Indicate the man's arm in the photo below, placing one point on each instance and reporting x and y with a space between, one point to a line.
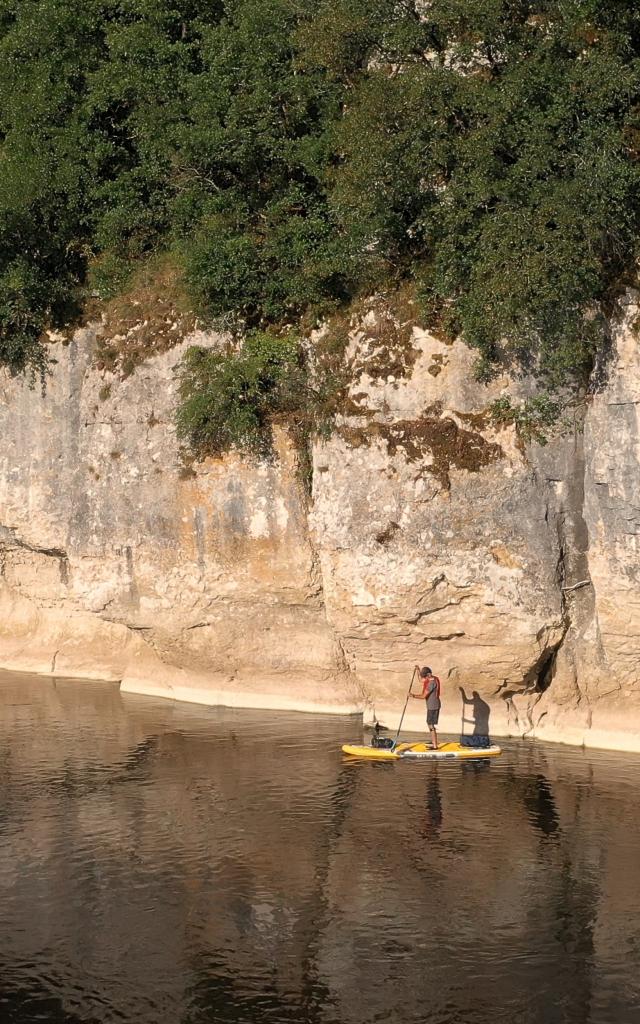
422 694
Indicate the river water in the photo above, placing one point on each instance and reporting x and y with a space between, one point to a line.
172 864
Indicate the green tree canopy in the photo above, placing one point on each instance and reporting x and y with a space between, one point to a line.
293 154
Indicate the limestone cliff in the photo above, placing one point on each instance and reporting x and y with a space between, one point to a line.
430 536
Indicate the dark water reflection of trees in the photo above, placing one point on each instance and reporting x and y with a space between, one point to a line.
183 865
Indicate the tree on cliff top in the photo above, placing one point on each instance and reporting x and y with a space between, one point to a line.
293 154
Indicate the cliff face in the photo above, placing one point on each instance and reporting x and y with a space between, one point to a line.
431 536
120 562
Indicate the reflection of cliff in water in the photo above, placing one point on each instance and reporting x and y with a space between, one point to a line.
170 864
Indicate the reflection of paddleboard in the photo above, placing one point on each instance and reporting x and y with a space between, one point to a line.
420 752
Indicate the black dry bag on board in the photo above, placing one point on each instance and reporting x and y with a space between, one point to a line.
478 742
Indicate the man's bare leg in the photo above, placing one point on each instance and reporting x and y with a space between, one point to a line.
434 738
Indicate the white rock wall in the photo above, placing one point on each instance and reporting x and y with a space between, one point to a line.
118 562
432 537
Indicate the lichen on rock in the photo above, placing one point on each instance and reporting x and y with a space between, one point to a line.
436 443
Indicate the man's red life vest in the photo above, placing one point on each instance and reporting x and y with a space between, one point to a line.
429 678
425 686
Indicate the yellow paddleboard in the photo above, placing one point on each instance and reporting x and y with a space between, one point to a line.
420 752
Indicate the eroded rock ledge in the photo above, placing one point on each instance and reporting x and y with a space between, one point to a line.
430 536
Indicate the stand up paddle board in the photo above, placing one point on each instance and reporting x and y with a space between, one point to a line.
420 752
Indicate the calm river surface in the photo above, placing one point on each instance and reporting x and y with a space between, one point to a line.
170 864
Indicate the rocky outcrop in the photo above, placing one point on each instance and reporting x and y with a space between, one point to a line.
593 694
435 542
431 536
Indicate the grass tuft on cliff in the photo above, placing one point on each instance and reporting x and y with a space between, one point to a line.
291 157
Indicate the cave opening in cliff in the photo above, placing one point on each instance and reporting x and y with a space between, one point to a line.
545 670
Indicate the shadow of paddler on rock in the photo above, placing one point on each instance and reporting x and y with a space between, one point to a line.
480 714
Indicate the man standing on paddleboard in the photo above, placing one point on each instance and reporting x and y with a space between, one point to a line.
430 693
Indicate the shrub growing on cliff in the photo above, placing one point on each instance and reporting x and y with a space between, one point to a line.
229 400
535 419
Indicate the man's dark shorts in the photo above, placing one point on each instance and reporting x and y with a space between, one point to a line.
433 716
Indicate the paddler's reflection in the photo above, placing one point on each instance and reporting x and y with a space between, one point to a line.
433 816
475 765
541 806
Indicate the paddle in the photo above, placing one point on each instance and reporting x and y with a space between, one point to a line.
404 709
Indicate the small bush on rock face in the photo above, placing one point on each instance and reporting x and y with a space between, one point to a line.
535 419
229 399
232 399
